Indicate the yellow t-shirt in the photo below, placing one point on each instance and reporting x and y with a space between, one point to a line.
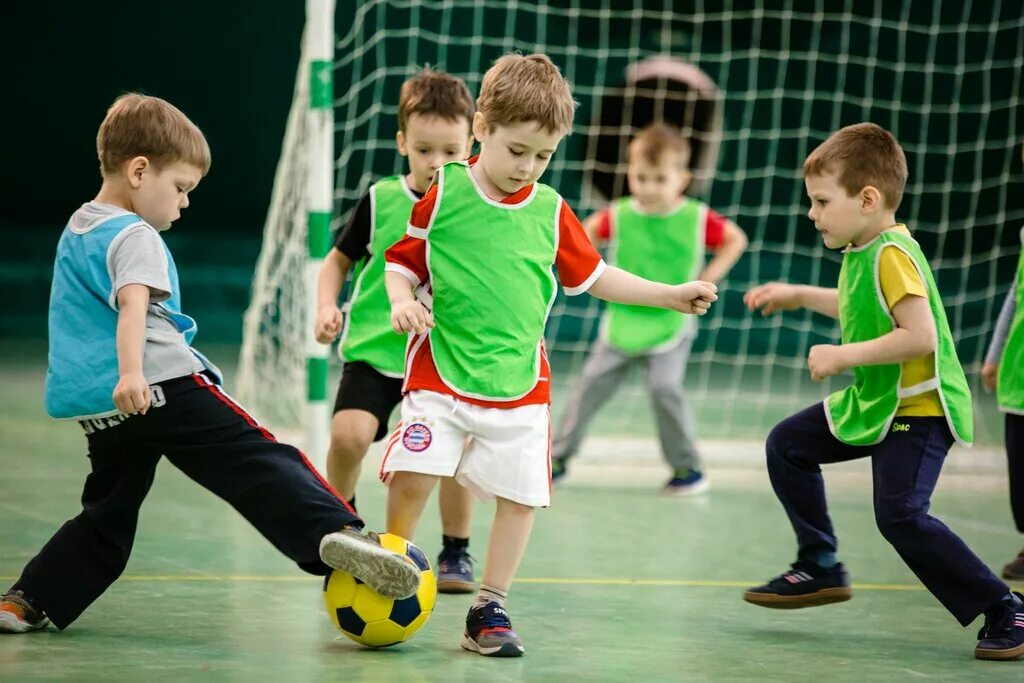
899 278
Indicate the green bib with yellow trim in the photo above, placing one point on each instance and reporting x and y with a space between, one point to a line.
862 413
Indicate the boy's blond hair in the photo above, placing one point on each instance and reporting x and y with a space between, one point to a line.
860 155
138 125
521 88
658 139
435 93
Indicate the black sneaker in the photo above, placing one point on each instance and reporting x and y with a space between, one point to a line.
489 632
455 571
804 585
1002 636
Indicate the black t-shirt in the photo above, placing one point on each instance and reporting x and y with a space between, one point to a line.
354 238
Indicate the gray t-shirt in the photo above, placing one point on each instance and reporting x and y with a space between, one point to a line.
137 256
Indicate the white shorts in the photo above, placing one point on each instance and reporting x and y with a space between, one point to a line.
509 455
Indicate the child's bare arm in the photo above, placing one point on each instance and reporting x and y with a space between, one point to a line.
131 395
617 285
328 288
913 337
727 253
780 296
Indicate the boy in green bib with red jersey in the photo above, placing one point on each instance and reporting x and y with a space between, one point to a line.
435 112
660 234
909 401
1004 371
473 282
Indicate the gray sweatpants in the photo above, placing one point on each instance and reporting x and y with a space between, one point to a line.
603 372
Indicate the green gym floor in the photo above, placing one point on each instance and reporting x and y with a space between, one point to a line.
618 584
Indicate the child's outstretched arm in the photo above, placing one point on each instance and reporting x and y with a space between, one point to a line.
617 285
407 314
913 337
328 288
131 395
780 296
727 253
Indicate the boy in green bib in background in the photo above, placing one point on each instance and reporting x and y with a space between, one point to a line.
473 280
1003 371
660 234
435 112
909 401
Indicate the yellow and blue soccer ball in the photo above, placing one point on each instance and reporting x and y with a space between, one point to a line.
369 618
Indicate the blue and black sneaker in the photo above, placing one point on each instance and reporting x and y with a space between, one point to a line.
489 632
686 483
558 469
804 585
455 571
1002 636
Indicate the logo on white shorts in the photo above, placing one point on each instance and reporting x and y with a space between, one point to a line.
416 437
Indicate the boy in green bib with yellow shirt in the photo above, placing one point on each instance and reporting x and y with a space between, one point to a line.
435 112
909 401
473 280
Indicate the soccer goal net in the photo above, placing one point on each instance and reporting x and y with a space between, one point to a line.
756 89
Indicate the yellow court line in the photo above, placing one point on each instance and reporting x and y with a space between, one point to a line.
671 583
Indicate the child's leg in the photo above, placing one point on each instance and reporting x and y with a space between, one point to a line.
602 373
1015 459
456 502
362 407
428 445
210 438
407 495
89 552
352 432
795 449
905 469
665 373
510 533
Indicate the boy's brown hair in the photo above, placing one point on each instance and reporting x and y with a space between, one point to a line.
860 155
522 88
435 93
658 139
138 125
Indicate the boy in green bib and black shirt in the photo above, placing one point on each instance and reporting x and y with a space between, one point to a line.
909 401
435 111
660 234
473 280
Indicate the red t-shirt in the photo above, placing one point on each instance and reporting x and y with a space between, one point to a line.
578 263
714 227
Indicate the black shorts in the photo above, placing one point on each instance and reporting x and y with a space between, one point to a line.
363 387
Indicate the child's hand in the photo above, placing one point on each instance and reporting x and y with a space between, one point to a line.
410 316
772 297
989 373
693 297
826 360
328 324
131 395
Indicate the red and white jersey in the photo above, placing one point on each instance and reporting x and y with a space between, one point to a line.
578 266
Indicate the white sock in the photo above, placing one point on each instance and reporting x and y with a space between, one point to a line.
490 594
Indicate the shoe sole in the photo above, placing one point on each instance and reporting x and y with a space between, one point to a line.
390 574
9 623
999 655
825 596
684 491
503 650
455 586
1012 576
